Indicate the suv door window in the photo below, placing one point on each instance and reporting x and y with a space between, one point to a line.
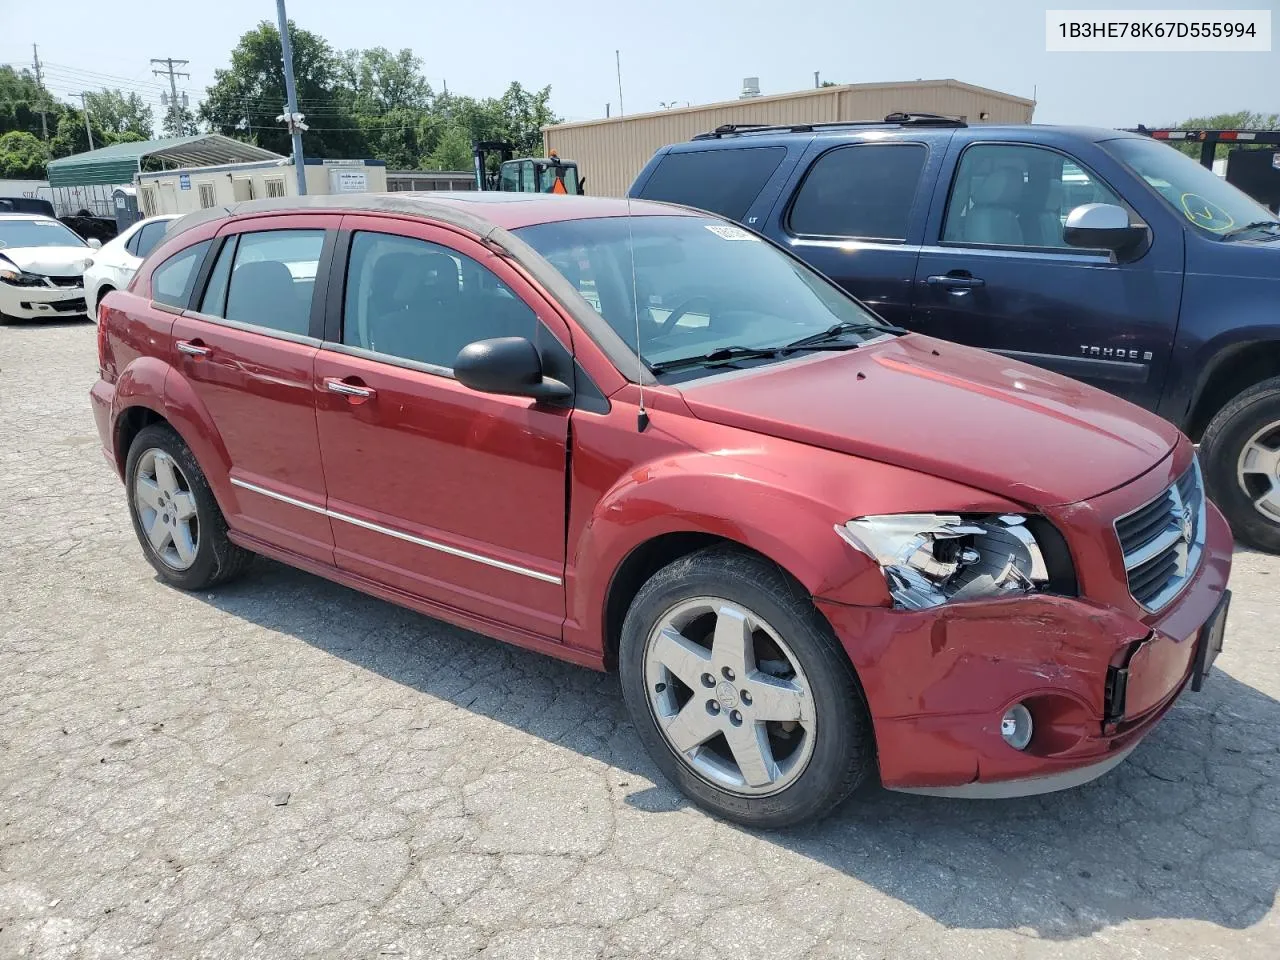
864 191
423 302
724 181
172 281
1012 195
266 279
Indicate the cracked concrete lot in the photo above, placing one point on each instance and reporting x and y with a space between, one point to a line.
287 768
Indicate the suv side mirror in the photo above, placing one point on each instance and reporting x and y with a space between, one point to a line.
510 366
1103 226
95 243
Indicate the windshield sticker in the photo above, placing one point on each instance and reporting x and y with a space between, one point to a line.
726 232
1205 214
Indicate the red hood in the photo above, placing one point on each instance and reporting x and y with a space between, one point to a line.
963 414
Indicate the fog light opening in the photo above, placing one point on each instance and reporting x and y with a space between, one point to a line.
1016 727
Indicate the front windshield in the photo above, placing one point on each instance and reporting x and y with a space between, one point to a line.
36 233
700 283
1205 199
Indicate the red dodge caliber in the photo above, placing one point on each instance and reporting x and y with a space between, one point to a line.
816 548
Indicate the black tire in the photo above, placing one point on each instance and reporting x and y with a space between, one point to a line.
843 751
217 558
93 309
1223 442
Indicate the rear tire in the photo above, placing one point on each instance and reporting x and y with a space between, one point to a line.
178 522
1240 456
811 764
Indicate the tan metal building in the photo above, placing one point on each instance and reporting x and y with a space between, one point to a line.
611 152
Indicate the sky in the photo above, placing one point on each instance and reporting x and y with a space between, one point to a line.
694 51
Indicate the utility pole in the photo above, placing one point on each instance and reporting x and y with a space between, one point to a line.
44 123
174 105
84 102
291 116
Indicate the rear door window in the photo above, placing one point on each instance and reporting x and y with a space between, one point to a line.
724 181
149 237
266 279
864 191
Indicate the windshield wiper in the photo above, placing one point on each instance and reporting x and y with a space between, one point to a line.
833 334
1256 225
718 355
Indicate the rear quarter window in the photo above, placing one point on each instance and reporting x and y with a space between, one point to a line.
724 181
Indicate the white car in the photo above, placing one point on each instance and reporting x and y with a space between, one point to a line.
41 266
114 265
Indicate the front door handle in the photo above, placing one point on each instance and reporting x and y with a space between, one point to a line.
357 390
193 348
957 282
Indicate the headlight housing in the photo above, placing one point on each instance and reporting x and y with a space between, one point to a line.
930 559
19 278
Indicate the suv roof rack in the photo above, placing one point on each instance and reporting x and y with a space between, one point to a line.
898 119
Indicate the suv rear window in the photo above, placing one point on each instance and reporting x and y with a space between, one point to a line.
723 181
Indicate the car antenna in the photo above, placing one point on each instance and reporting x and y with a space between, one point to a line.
642 417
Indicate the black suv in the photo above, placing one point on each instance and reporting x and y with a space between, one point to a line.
1100 254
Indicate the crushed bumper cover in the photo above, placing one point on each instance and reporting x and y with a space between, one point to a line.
938 681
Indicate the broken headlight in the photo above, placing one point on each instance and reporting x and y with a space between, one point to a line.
931 558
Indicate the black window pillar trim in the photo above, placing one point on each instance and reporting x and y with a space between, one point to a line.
335 292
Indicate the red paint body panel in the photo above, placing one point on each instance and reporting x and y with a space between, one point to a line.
947 410
513 518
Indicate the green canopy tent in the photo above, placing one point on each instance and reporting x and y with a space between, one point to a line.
85 180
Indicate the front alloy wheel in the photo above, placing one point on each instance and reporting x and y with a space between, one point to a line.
741 692
729 696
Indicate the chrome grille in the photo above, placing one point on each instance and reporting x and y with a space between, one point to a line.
1162 541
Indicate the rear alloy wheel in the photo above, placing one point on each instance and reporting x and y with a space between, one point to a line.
741 692
177 520
1240 452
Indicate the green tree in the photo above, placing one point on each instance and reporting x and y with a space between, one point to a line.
71 136
246 98
22 156
20 101
379 81
452 150
116 113
180 122
1241 120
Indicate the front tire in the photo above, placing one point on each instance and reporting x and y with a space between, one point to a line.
178 522
1240 453
740 691
97 302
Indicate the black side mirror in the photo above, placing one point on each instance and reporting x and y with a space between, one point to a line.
509 366
1103 226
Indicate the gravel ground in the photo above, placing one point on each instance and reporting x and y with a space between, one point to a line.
287 768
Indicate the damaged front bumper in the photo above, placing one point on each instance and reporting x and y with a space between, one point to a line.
1095 678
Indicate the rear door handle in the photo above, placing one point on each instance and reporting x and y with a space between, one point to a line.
957 283
193 348
334 385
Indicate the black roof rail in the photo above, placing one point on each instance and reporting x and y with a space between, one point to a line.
899 119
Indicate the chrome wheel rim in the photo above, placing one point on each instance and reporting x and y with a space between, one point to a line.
729 696
166 509
1258 471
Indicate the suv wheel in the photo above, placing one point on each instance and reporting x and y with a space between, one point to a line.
174 513
1241 456
740 691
